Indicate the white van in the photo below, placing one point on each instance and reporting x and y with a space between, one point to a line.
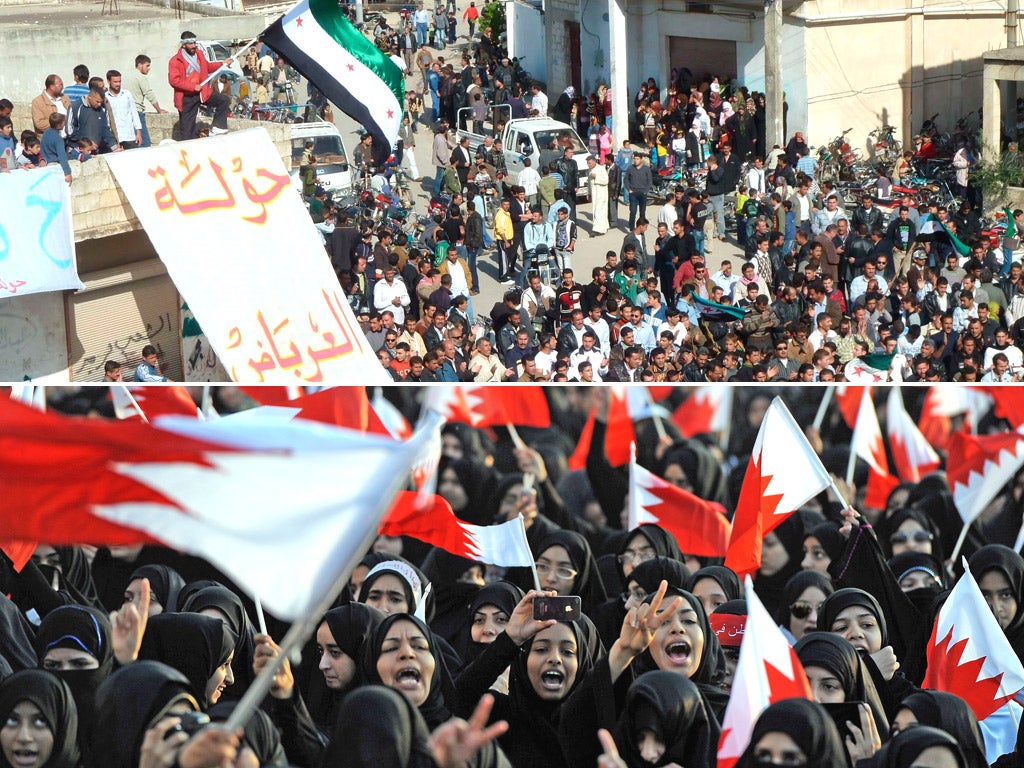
332 168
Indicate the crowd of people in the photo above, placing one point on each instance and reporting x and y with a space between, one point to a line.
121 656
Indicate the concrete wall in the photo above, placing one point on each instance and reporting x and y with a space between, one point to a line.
526 39
559 62
30 54
750 58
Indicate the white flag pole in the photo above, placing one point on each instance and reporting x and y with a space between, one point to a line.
134 402
960 541
819 417
533 566
234 57
514 434
659 427
259 614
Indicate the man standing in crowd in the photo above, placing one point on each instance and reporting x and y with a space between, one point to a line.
186 72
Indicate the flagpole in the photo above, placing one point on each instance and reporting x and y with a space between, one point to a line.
235 57
1020 540
259 614
963 537
533 566
514 434
819 417
134 402
835 490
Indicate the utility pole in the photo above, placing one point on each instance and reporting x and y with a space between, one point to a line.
773 86
359 12
1009 87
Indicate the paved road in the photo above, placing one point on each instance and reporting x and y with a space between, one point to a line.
590 250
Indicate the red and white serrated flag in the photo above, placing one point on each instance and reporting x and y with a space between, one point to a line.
978 466
867 444
503 545
768 671
426 463
911 453
133 401
784 473
706 411
619 432
482 406
700 527
272 395
281 507
1008 403
941 404
848 397
968 654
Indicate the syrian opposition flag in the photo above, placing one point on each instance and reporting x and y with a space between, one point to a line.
504 545
930 225
784 473
149 402
318 40
481 406
282 507
978 466
968 654
869 369
700 527
706 411
913 456
867 444
768 671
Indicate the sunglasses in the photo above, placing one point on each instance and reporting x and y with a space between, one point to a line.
801 609
918 537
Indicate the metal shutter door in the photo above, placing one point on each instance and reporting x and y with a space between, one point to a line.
120 311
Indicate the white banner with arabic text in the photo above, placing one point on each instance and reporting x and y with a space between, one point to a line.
242 251
37 237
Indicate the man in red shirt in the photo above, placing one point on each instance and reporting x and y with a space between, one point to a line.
470 15
185 71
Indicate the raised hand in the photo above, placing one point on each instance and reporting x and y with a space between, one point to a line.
128 625
638 628
455 742
521 624
266 651
609 752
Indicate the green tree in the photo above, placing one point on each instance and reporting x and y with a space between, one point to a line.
493 16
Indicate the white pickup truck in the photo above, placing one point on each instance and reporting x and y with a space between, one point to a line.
532 137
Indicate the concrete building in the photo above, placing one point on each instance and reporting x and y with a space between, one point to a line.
846 63
128 301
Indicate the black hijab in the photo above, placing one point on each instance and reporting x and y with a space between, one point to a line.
83 629
951 714
810 727
842 599
712 660
662 542
76 576
477 481
701 467
922 597
434 709
53 698
905 747
769 588
836 655
889 526
378 727
996 557
350 625
165 584
649 575
588 584
726 578
444 571
192 644
131 701
504 596
261 734
671 706
535 722
827 534
795 587
214 595
17 636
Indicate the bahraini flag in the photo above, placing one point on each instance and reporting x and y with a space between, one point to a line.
281 507
318 40
867 444
783 474
911 453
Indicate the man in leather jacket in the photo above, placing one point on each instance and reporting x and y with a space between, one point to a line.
571 175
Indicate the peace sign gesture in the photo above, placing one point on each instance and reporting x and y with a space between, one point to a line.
638 629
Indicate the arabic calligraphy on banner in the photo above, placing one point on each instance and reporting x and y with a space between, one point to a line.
37 242
240 247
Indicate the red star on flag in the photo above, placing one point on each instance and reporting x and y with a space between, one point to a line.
351 68
391 113
298 22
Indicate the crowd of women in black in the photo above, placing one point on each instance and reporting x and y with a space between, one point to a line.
420 636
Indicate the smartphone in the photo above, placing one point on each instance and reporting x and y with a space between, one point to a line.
568 608
848 711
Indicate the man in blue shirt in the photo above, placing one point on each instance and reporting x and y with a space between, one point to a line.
149 369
